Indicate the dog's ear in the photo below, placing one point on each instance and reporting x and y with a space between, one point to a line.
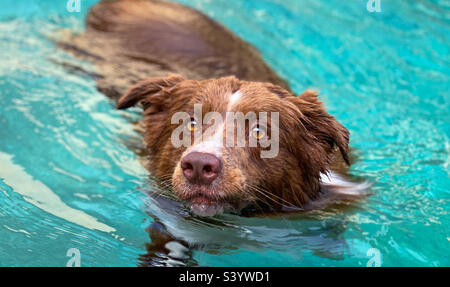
149 92
324 127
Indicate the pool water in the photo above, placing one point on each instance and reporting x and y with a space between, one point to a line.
70 176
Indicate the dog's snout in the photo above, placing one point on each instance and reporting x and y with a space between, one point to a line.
201 168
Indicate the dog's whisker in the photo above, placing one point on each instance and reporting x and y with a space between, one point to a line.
262 199
269 194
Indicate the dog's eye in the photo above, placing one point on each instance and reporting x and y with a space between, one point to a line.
192 125
258 133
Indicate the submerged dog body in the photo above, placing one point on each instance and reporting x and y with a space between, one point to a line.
130 40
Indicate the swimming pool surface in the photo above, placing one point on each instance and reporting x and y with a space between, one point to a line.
69 177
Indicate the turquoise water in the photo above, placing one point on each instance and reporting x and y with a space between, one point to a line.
69 176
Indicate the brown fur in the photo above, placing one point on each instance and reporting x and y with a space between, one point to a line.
131 40
309 139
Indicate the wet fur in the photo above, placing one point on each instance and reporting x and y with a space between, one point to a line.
135 44
311 141
132 40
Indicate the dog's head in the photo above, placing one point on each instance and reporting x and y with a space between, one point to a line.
225 143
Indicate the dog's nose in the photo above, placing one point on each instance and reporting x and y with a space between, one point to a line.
201 168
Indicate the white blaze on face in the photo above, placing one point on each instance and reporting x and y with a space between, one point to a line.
233 99
213 142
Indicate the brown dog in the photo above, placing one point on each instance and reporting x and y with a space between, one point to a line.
129 40
132 40
212 177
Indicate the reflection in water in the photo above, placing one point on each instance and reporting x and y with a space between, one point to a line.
176 235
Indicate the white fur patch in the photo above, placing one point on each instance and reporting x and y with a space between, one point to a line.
345 186
236 96
233 99
211 145
214 144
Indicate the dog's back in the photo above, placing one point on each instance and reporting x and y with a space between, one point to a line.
131 40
